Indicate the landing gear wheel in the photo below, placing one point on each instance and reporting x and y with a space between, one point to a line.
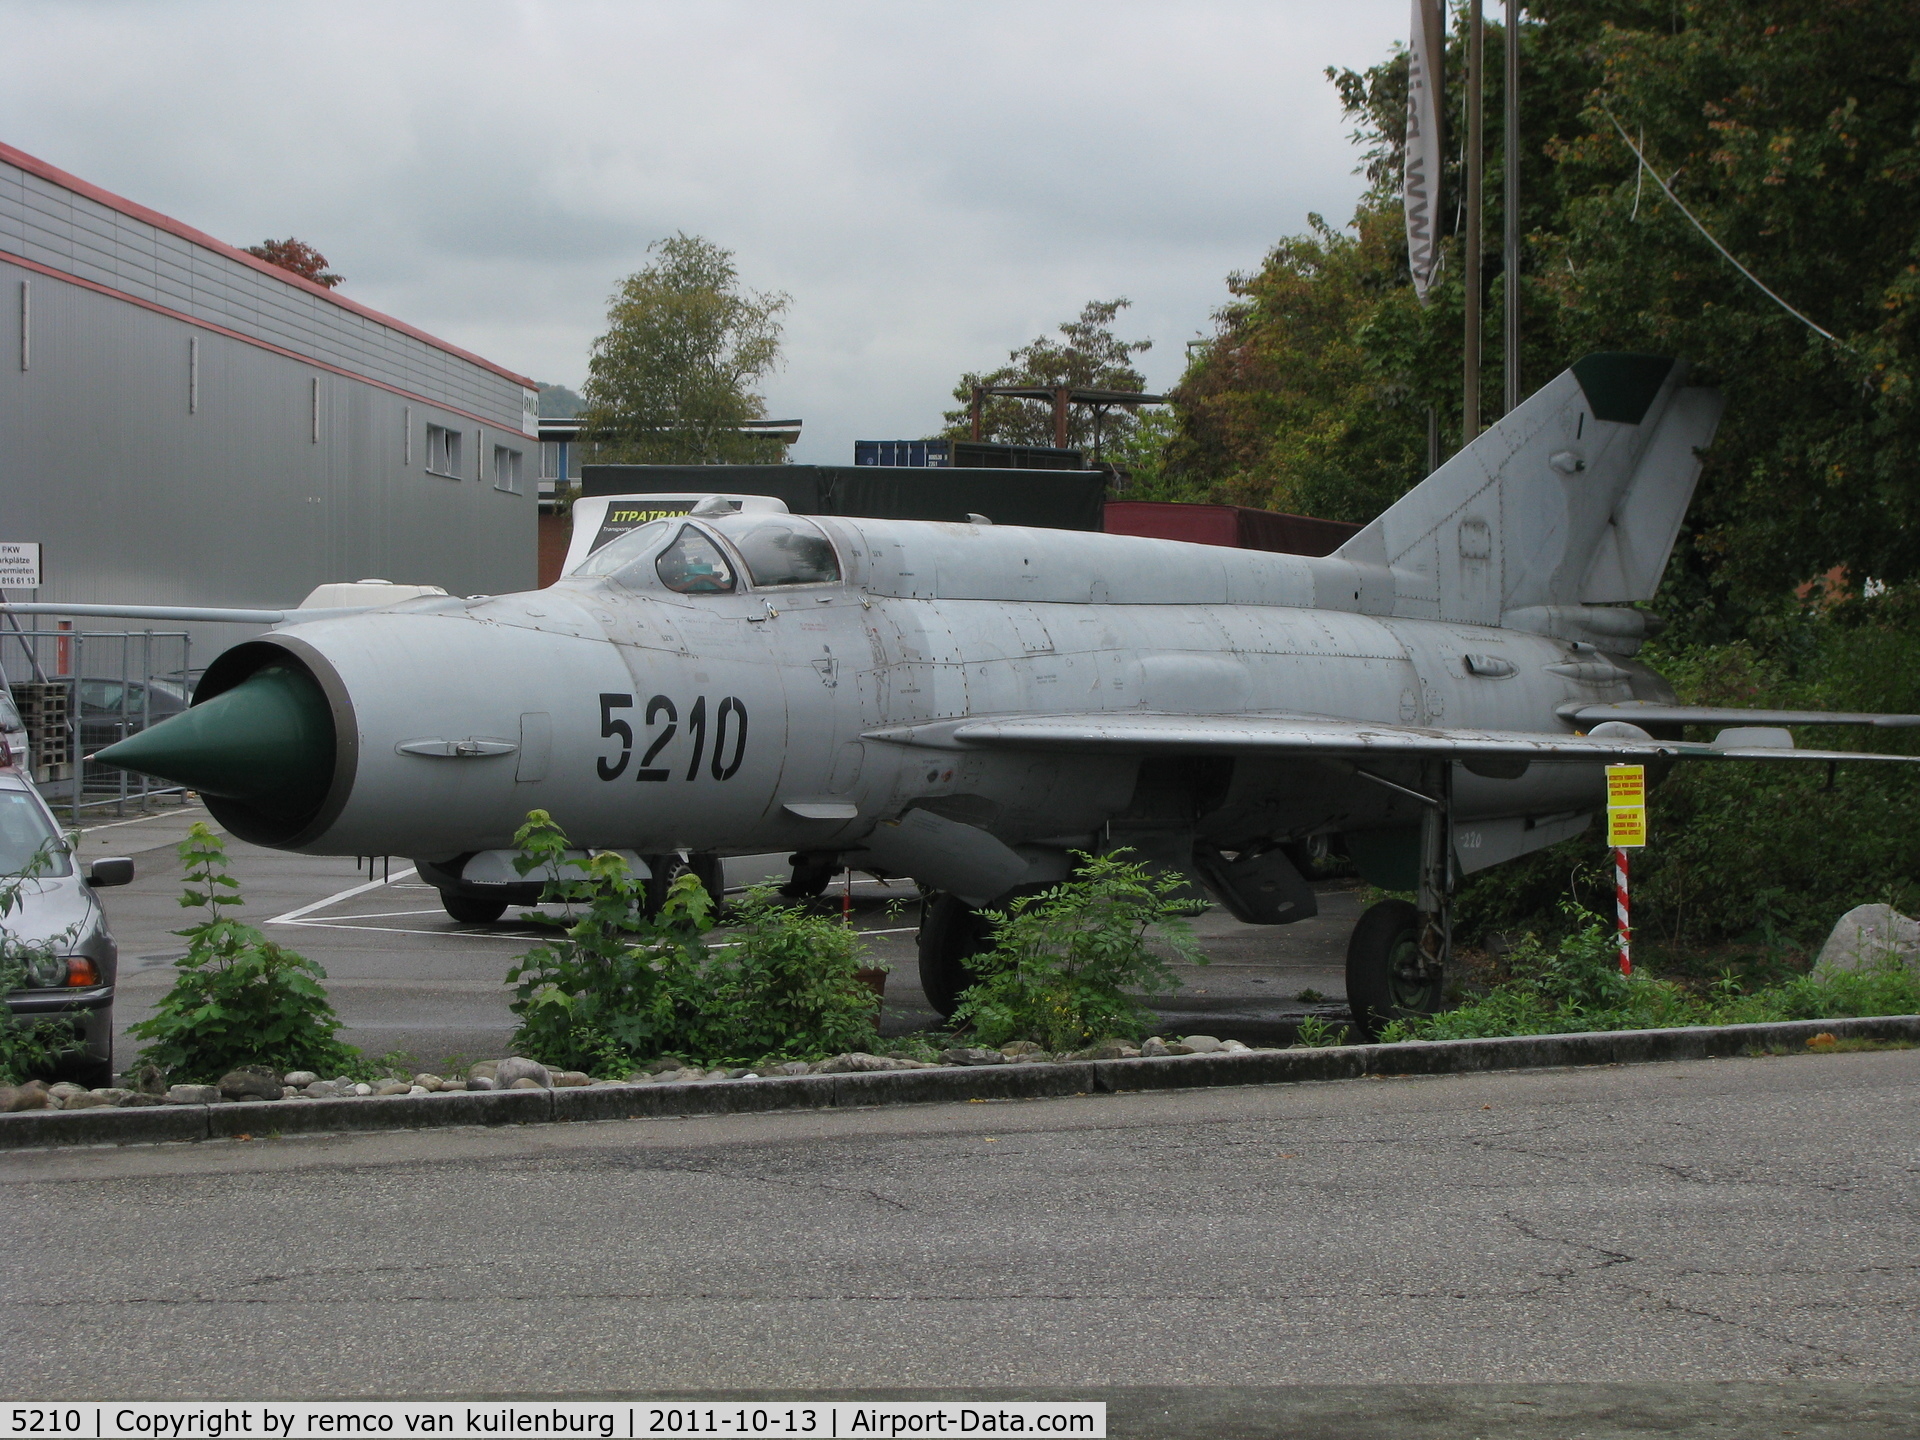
951 933
1387 976
811 876
472 909
703 865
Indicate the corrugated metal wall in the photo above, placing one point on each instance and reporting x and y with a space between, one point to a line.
261 476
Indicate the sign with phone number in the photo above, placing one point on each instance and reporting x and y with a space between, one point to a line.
492 1420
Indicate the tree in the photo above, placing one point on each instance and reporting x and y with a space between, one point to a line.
1091 358
1786 127
670 382
299 257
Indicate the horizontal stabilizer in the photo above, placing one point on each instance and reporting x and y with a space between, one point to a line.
1652 712
1319 736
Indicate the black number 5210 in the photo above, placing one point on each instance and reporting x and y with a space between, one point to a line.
661 719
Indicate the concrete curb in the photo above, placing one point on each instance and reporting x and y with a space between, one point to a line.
145 1125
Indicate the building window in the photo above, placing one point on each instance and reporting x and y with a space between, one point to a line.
549 459
506 469
443 451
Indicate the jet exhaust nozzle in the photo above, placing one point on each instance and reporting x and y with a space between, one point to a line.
259 747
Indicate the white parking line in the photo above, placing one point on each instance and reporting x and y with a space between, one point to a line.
292 917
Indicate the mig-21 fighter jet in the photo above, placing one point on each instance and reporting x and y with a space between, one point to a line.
970 704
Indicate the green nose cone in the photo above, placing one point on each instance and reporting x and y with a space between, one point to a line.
267 743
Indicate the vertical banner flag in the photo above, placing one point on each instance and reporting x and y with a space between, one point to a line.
1426 57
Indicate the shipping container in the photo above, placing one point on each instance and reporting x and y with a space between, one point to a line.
965 455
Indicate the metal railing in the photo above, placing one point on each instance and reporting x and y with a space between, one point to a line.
115 684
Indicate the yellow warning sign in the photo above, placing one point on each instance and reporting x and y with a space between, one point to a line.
1626 826
1626 785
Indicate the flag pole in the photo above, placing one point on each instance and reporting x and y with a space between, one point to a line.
1510 207
1476 159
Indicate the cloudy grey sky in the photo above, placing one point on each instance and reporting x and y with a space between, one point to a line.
933 182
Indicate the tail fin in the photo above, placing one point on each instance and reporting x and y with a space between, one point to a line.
1575 498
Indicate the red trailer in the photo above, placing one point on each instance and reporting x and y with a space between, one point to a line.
1236 526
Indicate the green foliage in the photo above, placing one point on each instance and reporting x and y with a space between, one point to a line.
1092 358
32 1049
785 986
672 380
239 999
1763 855
1575 985
616 987
1067 964
1787 128
1315 1033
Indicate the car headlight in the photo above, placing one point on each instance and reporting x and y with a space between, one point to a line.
54 972
46 972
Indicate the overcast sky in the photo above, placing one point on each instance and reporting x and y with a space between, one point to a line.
934 184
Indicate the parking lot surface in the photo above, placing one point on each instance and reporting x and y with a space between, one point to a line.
404 977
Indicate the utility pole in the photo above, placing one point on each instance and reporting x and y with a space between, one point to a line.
1476 160
1510 205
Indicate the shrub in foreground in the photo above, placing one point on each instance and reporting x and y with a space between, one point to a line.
239 999
616 986
1575 985
1068 965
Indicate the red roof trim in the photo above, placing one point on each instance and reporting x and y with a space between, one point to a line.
34 265
57 176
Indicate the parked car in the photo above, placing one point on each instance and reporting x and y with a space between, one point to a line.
111 710
56 929
13 732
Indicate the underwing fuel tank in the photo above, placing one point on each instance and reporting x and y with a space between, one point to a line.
431 729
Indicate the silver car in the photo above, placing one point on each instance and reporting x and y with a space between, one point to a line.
56 928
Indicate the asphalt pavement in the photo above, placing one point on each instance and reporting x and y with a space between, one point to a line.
404 977
1721 1248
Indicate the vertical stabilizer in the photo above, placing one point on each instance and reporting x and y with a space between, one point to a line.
1575 498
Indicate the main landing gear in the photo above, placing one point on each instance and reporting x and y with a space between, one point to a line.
951 933
1397 955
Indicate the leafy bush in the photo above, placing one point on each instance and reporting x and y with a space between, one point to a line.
1064 961
239 998
1575 985
34 1048
617 987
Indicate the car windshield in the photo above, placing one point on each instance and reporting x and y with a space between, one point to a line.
623 550
786 551
25 833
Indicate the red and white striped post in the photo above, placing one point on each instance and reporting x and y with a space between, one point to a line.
1623 919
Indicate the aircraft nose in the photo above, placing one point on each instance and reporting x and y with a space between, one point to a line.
266 743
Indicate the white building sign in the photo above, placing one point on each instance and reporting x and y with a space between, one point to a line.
19 564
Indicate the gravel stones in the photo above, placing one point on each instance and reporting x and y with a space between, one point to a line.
1023 1050
858 1062
571 1079
193 1094
1202 1045
972 1055
299 1079
251 1082
395 1087
1154 1045
508 1073
31 1096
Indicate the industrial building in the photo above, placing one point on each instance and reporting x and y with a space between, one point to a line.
183 423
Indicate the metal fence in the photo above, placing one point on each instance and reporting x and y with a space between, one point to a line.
81 690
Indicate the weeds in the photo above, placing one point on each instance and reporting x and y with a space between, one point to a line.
1065 963
616 986
239 999
1575 985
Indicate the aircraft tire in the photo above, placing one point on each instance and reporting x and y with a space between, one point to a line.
703 865
472 909
950 934
1383 969
810 878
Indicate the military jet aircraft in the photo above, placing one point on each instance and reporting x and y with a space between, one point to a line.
969 704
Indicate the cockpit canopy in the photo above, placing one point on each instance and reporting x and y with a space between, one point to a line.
776 551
